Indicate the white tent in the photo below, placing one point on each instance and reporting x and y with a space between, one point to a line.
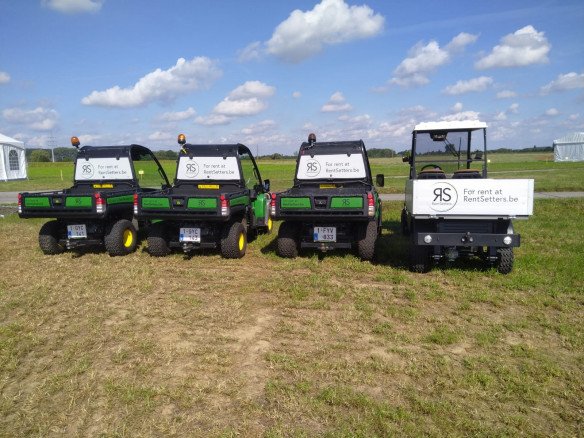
570 147
12 159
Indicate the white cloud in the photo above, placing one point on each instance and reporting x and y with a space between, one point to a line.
251 52
514 108
213 120
161 136
178 116
246 100
475 84
73 6
506 94
4 77
240 107
38 119
568 81
501 116
463 115
423 59
574 117
460 41
258 128
252 89
296 94
336 103
160 85
524 47
305 33
552 112
457 107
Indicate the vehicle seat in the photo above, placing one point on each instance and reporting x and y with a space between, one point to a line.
466 174
431 174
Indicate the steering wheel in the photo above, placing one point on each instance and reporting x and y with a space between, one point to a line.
433 166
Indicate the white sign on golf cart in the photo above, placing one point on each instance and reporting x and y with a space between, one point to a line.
103 168
470 197
339 166
203 168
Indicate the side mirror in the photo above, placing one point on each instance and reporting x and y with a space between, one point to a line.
406 159
266 185
478 155
380 179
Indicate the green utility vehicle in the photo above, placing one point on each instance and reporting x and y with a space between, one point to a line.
218 200
333 203
452 209
98 209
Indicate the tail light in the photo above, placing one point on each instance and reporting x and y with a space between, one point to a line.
370 204
99 203
19 203
135 203
273 205
224 205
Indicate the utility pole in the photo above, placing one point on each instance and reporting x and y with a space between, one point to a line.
51 144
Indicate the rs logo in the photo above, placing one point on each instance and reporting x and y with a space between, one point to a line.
345 202
312 168
86 168
191 167
442 194
443 197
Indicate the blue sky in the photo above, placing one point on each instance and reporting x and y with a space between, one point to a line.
266 73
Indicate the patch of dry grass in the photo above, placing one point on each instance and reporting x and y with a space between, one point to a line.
142 346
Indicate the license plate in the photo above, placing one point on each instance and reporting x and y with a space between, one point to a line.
76 231
325 234
190 235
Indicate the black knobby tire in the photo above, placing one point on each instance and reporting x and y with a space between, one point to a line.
420 258
158 240
120 238
366 246
404 223
505 260
49 238
233 240
287 242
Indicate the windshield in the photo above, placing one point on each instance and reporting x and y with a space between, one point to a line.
98 169
449 151
337 166
207 168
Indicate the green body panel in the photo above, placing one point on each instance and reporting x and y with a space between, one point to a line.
78 202
347 202
240 200
155 203
295 203
37 202
259 206
202 203
121 199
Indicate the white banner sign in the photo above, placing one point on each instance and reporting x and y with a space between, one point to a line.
340 166
470 197
103 169
203 168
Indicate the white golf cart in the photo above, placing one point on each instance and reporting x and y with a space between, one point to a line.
452 209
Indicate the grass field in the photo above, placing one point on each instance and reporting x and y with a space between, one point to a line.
548 175
92 345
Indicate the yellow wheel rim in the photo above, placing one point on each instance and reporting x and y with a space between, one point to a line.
270 224
128 238
241 241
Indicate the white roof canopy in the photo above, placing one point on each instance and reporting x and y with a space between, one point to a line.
7 140
450 126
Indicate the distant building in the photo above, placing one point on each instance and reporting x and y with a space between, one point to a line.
570 147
